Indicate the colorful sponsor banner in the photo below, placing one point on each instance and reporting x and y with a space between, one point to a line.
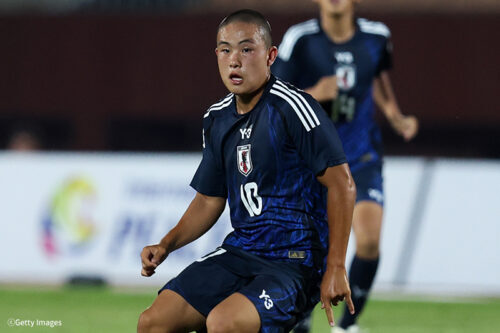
67 215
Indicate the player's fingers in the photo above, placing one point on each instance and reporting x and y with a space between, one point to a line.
329 313
145 253
157 257
145 258
147 272
409 134
148 267
147 264
350 304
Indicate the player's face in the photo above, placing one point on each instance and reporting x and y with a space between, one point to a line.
244 59
336 7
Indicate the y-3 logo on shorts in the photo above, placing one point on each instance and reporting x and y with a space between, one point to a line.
375 195
268 302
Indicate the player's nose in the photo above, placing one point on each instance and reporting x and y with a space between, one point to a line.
234 60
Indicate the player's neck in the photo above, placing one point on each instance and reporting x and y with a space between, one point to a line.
339 28
245 103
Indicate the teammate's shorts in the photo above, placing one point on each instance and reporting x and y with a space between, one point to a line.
369 183
282 292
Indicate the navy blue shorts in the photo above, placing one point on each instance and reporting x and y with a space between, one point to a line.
369 183
282 292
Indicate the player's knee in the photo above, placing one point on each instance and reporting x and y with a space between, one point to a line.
148 323
218 323
144 323
368 248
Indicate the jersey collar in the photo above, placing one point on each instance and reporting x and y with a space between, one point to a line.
353 38
267 88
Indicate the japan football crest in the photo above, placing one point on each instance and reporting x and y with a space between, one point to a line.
346 76
244 159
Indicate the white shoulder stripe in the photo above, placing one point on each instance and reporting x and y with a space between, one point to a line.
215 108
229 96
297 103
304 102
292 104
372 27
220 105
293 35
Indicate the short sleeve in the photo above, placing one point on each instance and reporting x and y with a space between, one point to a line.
286 67
311 130
386 57
209 178
288 63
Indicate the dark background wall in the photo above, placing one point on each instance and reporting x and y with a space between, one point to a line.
143 82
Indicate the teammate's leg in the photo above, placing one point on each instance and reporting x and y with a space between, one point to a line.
235 314
170 313
367 226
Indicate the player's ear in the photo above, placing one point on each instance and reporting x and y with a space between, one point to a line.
216 51
272 53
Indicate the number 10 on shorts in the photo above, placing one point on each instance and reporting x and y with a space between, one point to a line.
251 199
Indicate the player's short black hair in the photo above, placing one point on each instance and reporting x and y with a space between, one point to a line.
250 16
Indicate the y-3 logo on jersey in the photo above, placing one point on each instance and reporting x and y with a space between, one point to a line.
246 132
268 302
344 57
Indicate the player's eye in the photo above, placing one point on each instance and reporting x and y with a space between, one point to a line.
246 50
224 50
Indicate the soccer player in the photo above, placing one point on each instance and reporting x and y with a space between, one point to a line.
343 62
272 152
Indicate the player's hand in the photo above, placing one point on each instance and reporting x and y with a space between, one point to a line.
325 89
335 289
406 126
151 257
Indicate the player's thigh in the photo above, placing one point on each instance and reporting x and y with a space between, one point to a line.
234 314
367 227
170 313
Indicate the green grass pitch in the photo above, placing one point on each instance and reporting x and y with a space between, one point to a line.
104 310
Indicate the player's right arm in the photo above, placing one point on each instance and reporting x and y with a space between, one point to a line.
202 213
200 216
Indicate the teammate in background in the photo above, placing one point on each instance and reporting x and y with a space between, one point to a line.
343 62
271 151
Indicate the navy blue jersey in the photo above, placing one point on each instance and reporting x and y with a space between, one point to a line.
306 54
266 162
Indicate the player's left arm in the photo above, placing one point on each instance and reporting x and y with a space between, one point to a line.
340 203
318 143
383 94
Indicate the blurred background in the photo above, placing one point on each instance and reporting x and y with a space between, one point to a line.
130 75
108 96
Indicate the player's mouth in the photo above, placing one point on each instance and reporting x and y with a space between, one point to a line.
235 79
